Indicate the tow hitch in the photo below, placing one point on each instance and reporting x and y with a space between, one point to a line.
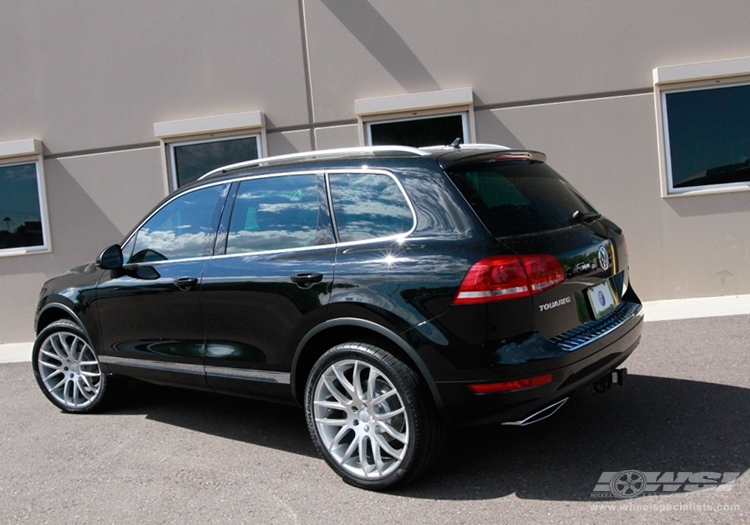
615 377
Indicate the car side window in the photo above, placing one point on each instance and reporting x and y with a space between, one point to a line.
184 228
277 213
368 206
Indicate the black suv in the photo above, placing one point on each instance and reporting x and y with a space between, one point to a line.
387 290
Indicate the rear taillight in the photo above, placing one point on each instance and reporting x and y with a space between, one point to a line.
509 277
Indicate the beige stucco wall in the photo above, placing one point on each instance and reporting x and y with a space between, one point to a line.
573 79
679 247
84 75
93 201
509 51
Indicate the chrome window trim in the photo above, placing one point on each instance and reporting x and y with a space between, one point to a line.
249 176
167 202
400 237
240 180
272 252
366 171
159 263
331 213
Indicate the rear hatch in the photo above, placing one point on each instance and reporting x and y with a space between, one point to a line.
533 211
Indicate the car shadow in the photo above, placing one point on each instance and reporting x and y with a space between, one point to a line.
262 423
653 424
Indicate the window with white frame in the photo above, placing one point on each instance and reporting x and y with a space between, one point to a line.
189 160
194 147
418 119
23 206
704 123
434 130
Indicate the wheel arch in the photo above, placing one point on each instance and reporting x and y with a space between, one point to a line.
52 312
56 311
336 331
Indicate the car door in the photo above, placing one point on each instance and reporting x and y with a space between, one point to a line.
377 265
149 311
271 284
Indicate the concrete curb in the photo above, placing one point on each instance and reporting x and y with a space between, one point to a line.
697 307
15 352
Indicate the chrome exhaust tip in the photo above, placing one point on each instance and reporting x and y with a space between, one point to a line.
538 416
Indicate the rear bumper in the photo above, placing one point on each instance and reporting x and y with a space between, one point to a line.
570 372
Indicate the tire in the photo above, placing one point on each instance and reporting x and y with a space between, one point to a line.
67 369
371 417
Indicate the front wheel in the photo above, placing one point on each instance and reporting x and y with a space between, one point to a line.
67 369
370 416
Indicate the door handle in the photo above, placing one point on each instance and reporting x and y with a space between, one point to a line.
305 280
185 283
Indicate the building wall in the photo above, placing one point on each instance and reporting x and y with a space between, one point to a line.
572 79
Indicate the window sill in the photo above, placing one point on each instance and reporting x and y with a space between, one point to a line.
32 250
708 191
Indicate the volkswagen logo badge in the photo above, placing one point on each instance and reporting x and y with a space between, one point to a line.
603 258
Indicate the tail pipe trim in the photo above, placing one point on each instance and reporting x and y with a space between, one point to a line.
538 416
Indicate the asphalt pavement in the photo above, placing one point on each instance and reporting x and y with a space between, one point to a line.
163 455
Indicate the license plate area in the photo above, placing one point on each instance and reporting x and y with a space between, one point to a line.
602 299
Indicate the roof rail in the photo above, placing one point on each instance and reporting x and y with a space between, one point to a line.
469 145
318 154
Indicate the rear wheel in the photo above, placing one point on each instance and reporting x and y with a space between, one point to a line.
67 369
370 417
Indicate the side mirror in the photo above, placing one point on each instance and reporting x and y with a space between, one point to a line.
110 258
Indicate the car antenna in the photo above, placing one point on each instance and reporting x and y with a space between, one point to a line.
456 143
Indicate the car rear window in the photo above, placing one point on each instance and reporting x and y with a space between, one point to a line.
516 198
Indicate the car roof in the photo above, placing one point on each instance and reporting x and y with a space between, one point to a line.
447 156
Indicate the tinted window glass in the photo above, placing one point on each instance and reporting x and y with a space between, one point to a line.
275 213
184 228
196 159
709 136
431 131
519 198
368 206
20 213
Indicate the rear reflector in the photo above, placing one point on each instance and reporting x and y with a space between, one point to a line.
507 386
509 277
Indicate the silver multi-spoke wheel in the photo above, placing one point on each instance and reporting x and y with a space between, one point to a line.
361 419
370 416
69 370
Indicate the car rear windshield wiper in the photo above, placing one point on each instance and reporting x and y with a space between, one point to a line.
585 216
